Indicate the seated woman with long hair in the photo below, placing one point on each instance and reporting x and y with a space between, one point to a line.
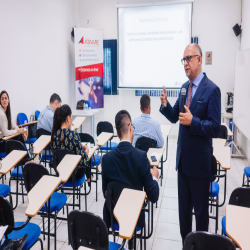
63 137
7 127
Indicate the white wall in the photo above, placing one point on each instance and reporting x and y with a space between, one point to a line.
36 52
242 141
212 23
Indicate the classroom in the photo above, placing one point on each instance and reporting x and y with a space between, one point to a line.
124 124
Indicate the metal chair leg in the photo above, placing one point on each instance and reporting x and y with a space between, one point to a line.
43 228
85 196
41 242
55 231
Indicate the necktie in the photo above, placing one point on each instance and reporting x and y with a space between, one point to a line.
189 94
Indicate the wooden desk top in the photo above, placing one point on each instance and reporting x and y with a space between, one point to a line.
237 225
78 121
11 160
223 156
165 129
41 143
229 132
10 137
40 193
27 124
67 166
103 138
127 211
217 142
92 151
149 153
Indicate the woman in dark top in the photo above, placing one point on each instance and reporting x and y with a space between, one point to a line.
62 137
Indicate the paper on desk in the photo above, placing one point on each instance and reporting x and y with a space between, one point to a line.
2 231
157 155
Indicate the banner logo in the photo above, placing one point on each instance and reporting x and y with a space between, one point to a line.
89 41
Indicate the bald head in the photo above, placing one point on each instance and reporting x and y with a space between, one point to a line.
196 47
192 64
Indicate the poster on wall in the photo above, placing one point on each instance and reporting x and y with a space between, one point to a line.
89 66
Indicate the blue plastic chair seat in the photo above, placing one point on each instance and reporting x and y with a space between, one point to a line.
2 155
4 190
57 201
107 146
97 160
31 229
223 225
247 171
78 182
116 227
31 140
20 172
114 246
215 189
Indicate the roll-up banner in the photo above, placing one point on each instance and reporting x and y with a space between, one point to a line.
89 66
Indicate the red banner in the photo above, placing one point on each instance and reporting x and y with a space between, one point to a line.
89 71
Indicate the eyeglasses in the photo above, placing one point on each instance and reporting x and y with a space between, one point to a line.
131 125
187 59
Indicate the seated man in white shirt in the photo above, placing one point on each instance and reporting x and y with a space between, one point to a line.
46 117
144 125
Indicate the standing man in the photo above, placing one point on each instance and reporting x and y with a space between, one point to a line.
46 117
198 125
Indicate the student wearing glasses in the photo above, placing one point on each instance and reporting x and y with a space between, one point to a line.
198 125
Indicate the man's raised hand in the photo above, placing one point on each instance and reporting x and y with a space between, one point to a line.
164 97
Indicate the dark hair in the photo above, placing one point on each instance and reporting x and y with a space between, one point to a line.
144 101
60 117
8 111
55 97
122 120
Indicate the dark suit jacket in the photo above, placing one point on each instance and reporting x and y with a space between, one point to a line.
194 146
130 166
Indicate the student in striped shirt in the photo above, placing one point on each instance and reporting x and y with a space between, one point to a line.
144 125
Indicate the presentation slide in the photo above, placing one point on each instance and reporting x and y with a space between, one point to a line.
152 40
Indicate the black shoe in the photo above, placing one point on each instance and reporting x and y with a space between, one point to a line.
14 244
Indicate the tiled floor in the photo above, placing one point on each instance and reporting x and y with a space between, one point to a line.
166 223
